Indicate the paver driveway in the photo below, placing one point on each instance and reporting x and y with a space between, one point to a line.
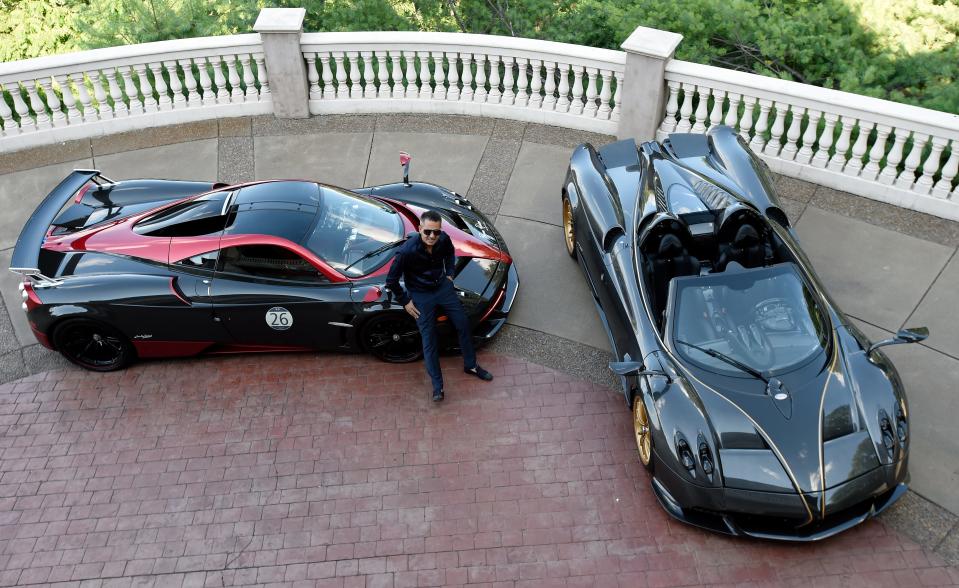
337 471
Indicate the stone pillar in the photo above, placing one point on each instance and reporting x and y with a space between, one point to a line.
644 83
280 30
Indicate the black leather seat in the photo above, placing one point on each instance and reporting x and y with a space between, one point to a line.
670 260
747 248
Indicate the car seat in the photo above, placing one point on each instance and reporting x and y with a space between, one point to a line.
747 247
670 260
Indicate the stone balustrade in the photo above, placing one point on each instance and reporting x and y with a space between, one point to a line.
883 150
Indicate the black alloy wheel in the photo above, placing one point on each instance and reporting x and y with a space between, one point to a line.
393 338
93 345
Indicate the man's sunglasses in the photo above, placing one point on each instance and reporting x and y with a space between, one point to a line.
431 232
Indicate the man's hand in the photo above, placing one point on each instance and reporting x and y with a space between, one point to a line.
411 309
450 278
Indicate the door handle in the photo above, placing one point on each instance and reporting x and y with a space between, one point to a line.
206 281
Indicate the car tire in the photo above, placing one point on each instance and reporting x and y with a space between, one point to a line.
644 439
393 338
569 227
93 345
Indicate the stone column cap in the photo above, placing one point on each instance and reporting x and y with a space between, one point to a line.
280 20
652 42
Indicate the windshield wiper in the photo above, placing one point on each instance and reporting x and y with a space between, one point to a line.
376 251
723 357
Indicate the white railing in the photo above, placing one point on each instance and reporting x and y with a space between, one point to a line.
91 93
523 79
883 150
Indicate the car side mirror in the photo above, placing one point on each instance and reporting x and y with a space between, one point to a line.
634 368
911 335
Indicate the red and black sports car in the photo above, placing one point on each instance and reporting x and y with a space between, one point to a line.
161 268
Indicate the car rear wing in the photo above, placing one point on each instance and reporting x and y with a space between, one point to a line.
26 254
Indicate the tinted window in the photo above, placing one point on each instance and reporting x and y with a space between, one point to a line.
206 261
268 261
103 263
286 224
349 227
301 193
766 318
200 216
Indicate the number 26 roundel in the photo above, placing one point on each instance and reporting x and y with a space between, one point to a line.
279 318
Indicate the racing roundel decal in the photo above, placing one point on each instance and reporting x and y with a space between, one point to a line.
279 318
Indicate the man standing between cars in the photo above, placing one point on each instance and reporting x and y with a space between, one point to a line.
427 264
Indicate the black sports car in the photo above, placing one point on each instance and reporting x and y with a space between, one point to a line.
161 268
758 408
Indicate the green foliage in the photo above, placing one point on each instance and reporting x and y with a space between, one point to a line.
904 50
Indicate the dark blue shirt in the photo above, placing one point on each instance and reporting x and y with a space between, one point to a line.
421 271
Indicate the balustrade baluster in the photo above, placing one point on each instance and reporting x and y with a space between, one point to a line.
262 76
762 125
38 106
426 88
382 75
908 176
146 90
821 158
342 90
549 96
10 126
53 102
467 77
453 93
313 77
732 113
792 135
219 80
119 106
616 96
716 112
949 171
746 122
890 172
329 91
805 153
931 166
233 78
604 96
189 79
206 83
369 84
439 76
776 133
509 96
96 78
412 88
249 81
23 111
577 105
562 102
175 86
353 75
535 98
164 102
495 95
685 108
701 109
854 166
89 113
592 92
398 90
69 100
838 159
522 81
672 106
871 171
481 93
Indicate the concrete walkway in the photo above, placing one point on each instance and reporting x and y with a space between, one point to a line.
887 267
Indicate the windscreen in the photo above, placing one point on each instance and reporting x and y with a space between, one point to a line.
765 318
350 228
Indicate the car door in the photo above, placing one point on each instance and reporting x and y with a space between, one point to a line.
270 296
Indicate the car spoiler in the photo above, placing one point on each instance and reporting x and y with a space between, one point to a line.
26 254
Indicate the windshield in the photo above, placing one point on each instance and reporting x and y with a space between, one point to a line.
350 227
765 318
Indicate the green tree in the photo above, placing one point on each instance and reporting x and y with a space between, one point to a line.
31 28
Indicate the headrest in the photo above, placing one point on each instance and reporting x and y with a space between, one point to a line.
746 235
670 245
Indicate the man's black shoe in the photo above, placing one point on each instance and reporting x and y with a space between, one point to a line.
437 395
480 373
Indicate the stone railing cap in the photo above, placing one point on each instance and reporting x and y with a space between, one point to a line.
280 20
652 42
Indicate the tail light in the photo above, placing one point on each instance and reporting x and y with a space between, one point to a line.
29 296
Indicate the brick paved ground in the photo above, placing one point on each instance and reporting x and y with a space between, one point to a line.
338 471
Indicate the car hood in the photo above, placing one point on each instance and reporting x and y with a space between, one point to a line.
825 427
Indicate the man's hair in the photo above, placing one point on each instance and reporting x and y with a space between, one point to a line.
431 215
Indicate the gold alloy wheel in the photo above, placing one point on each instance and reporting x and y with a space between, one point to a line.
641 429
568 226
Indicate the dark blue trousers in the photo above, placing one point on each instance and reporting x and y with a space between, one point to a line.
428 303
